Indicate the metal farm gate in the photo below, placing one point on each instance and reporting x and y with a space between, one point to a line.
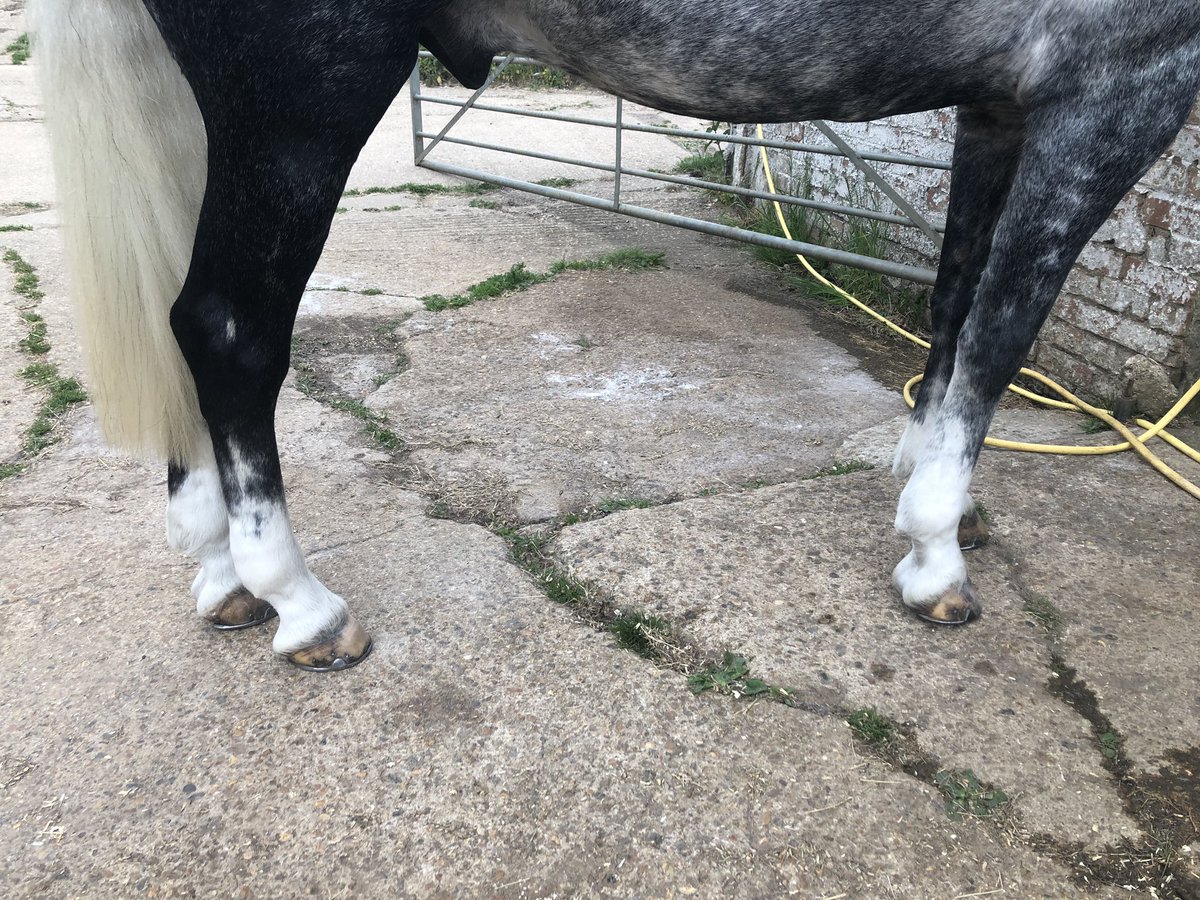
425 142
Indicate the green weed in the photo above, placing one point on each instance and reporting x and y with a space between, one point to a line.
559 182
520 278
19 50
1092 425
27 285
35 340
484 204
1110 744
705 166
842 468
374 424
423 190
638 632
872 727
629 258
731 675
904 303
966 795
1043 613
529 552
9 228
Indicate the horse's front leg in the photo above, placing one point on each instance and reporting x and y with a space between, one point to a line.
1076 163
986 152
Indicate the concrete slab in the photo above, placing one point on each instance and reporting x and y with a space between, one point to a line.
597 386
796 578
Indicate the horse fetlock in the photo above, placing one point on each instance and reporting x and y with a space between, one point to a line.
308 614
929 571
216 581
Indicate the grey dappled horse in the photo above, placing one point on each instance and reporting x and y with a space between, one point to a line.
201 148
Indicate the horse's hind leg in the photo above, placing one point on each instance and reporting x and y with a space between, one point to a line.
987 149
283 133
198 526
1081 154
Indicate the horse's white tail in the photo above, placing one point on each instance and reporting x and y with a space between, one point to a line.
129 158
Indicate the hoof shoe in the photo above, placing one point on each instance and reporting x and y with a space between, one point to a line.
957 606
973 532
347 646
241 609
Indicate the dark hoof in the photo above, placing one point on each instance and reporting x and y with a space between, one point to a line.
241 609
973 532
957 606
346 647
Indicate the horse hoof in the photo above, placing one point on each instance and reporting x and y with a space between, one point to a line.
957 606
241 609
973 532
347 646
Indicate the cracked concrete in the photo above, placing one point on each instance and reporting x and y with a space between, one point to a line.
495 744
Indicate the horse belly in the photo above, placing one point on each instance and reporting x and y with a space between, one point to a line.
742 60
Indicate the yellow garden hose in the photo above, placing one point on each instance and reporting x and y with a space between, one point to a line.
1135 442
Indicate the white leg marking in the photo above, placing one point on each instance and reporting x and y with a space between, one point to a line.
198 526
270 563
911 446
931 505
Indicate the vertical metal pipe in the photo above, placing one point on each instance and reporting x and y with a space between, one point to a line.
620 120
414 93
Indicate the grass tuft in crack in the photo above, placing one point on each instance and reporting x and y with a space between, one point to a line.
705 166
629 258
19 50
841 468
520 278
61 393
28 285
10 228
516 279
871 726
1042 612
967 796
559 182
423 190
529 552
730 676
639 632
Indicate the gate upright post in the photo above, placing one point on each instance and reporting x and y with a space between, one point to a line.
414 92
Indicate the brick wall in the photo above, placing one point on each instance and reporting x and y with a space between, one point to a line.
1134 290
